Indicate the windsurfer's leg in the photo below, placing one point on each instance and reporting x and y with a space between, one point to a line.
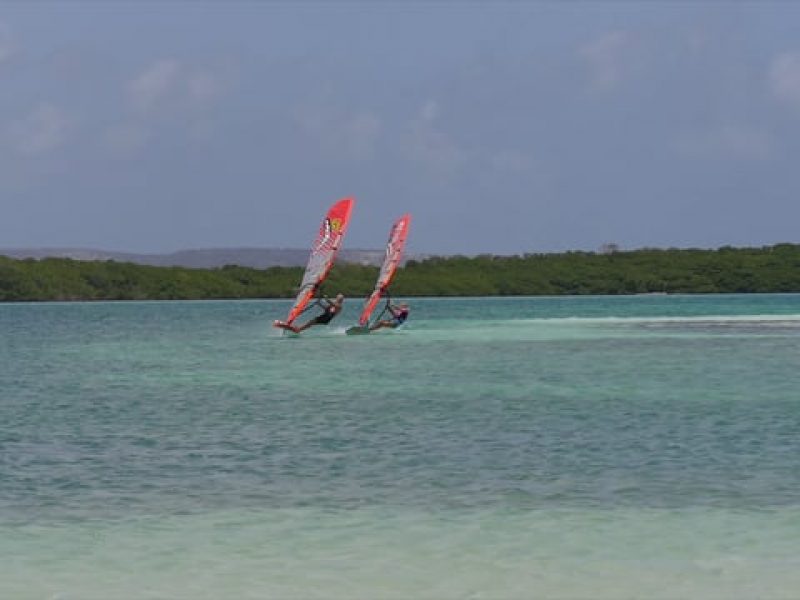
305 326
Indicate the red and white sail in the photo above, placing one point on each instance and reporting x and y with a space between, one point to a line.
391 260
323 254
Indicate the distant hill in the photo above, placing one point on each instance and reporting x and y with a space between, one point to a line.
203 258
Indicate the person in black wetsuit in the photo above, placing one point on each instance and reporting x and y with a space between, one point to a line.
399 315
330 309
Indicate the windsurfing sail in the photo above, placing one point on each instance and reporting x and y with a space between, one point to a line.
391 260
323 253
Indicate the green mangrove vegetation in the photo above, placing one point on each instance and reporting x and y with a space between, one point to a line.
724 270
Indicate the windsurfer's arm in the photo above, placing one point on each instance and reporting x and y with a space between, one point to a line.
320 297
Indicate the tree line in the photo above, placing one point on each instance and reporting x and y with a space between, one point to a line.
724 270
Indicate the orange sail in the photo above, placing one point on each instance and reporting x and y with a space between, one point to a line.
323 253
394 252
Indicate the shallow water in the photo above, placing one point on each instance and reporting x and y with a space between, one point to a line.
608 447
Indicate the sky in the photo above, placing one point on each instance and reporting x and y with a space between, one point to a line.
503 127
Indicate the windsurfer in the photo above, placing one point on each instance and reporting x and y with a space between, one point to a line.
330 309
399 315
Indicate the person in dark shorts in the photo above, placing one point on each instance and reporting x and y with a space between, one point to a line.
399 315
330 309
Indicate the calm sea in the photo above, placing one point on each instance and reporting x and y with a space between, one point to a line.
625 447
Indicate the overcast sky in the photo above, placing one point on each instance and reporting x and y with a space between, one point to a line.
505 128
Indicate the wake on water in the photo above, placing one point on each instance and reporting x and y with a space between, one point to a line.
572 327
554 328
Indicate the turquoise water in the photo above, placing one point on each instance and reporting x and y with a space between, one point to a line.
495 448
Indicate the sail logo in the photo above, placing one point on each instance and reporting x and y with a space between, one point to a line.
325 235
336 225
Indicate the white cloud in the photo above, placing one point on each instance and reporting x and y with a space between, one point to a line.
429 111
513 162
169 81
166 89
42 130
126 138
604 58
335 132
154 83
6 43
729 141
203 87
362 132
428 145
784 78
